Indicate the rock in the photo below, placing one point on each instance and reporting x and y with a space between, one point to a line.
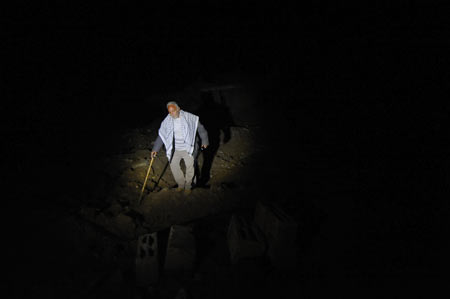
114 209
139 163
121 225
125 226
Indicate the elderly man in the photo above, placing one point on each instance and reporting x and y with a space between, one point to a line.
178 133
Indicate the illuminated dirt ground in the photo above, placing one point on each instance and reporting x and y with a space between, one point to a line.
230 184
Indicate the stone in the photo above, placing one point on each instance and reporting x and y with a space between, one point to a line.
114 209
123 226
139 164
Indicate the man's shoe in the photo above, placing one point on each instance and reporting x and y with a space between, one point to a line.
179 189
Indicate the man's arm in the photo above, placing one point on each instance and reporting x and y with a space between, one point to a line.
157 146
203 135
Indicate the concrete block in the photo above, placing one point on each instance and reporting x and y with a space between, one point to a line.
244 240
181 251
147 270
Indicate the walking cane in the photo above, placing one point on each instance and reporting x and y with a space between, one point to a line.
146 177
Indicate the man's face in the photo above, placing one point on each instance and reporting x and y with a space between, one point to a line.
173 111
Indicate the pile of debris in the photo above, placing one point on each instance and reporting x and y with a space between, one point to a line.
122 174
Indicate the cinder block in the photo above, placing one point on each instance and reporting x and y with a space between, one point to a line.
244 240
147 271
181 249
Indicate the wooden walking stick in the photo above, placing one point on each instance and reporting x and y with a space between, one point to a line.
146 177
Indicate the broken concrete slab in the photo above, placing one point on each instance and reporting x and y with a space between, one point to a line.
147 266
280 231
123 225
181 250
275 223
244 239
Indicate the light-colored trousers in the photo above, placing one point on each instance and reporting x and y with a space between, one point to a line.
183 181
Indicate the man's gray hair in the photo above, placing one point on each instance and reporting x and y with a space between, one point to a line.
173 103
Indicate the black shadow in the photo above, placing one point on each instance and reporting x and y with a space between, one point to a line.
216 117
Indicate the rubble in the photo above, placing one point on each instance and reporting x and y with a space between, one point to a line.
280 231
244 240
120 236
181 250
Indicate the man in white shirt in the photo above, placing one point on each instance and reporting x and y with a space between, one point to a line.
178 133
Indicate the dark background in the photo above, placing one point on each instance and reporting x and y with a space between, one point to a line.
379 66
379 70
